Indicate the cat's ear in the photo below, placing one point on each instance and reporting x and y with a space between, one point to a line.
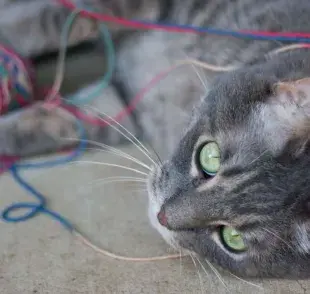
286 115
294 93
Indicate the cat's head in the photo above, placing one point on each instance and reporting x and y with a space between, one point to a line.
237 189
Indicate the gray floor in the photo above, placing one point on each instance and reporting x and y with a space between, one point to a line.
39 256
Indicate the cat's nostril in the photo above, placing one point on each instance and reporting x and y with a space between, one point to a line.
162 218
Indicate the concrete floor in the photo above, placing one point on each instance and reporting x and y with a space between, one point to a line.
39 256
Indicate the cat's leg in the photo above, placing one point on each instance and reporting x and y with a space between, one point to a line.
37 130
34 26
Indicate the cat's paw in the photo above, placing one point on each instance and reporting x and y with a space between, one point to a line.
36 130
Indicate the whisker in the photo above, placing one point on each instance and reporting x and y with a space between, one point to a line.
139 191
259 156
279 238
133 139
121 155
216 273
247 282
155 153
203 268
116 180
121 126
198 272
200 77
112 150
180 252
108 164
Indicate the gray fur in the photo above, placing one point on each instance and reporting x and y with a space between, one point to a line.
262 187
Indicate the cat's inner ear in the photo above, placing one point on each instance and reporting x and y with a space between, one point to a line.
286 114
295 93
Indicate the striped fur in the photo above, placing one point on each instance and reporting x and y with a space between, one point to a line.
262 188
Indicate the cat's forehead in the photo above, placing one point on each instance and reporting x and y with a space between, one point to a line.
231 115
233 98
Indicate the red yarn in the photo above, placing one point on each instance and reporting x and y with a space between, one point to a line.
8 161
17 87
138 25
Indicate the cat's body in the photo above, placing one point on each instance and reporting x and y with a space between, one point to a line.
141 56
272 194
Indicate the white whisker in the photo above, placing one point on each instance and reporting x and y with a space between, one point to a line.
216 273
116 180
203 268
121 155
279 238
133 139
109 164
198 272
258 157
181 266
200 77
111 149
113 179
139 191
247 282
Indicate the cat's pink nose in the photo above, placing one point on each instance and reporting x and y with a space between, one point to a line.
162 218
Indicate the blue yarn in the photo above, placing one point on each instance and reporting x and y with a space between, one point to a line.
40 207
35 208
79 98
226 32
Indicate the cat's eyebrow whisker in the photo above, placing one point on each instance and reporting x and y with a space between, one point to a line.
133 139
279 238
110 149
258 157
198 272
109 164
156 154
198 73
247 282
216 273
136 139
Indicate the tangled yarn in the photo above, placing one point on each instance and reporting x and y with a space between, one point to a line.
16 81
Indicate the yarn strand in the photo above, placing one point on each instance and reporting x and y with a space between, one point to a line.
297 37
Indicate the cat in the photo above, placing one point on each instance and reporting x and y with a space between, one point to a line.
232 183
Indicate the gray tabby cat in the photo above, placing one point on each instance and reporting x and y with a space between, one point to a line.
234 186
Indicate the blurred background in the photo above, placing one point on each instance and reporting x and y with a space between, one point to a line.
32 27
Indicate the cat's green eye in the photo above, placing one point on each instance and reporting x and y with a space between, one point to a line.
209 158
232 239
